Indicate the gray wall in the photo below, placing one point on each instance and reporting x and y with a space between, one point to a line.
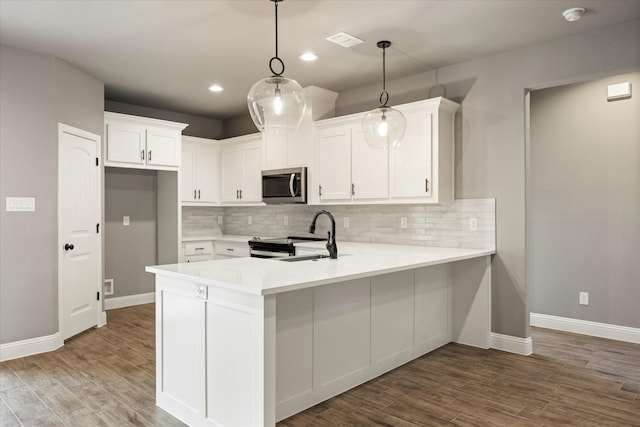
583 203
128 249
203 127
36 92
490 146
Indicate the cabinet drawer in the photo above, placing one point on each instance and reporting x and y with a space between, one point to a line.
198 248
196 258
232 249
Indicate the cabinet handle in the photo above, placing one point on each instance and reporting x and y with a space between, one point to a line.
241 193
320 190
149 155
353 189
237 194
142 155
199 249
426 185
198 194
194 194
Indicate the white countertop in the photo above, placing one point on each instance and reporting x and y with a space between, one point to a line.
219 237
260 276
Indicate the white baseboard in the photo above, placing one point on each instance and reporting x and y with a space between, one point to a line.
511 344
586 327
24 348
129 300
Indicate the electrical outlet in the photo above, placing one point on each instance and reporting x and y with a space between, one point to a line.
125 220
403 222
286 220
108 287
584 298
219 219
473 224
346 222
249 220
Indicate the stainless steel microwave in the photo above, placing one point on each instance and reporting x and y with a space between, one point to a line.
282 186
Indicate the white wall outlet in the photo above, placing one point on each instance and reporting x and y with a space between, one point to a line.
220 219
21 204
249 220
125 220
346 222
108 287
403 222
473 224
584 298
286 220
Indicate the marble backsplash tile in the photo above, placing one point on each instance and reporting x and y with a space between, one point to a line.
427 225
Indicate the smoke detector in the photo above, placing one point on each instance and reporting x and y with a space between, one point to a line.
573 14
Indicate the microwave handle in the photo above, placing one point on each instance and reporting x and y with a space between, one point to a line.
291 189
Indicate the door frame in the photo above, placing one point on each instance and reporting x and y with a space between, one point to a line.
101 318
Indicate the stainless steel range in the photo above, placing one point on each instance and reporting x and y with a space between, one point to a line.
278 247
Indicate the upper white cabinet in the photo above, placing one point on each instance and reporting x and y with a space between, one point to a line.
200 171
347 168
241 167
422 166
419 170
142 143
285 148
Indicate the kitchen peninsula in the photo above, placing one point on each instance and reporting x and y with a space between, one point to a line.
250 341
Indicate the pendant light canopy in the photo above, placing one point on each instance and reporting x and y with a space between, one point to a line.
276 101
383 126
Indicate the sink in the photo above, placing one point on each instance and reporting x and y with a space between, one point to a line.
313 257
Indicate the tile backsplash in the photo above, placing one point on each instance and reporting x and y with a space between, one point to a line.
426 225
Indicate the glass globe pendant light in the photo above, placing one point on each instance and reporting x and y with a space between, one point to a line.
276 101
383 126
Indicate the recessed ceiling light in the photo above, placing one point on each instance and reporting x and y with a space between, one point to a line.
573 14
216 88
308 56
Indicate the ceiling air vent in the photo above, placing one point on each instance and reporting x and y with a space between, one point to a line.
344 39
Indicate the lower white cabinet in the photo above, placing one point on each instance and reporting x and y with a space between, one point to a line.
198 251
225 249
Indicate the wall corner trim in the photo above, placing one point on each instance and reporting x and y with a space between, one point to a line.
586 327
29 347
511 344
129 300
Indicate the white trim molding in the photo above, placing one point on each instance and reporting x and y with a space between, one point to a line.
24 348
129 300
586 327
511 344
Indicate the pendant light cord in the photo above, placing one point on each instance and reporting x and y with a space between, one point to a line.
276 58
384 95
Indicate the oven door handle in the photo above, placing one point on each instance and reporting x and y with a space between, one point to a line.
291 189
269 254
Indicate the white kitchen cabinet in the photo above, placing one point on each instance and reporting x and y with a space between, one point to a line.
226 249
241 166
422 165
142 143
286 148
201 250
348 169
199 171
419 170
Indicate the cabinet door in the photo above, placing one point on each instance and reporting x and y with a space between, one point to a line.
188 190
125 143
207 173
334 163
370 169
252 176
411 160
231 162
163 147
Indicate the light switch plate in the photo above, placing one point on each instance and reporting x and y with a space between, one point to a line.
125 220
619 91
21 204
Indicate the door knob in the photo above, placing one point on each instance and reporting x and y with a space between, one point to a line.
68 246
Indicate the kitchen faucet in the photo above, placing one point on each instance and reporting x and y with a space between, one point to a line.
331 241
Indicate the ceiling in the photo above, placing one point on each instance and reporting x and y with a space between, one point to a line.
165 54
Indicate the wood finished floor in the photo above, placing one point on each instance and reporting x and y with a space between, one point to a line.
105 377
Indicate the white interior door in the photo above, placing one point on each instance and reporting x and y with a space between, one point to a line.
79 208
